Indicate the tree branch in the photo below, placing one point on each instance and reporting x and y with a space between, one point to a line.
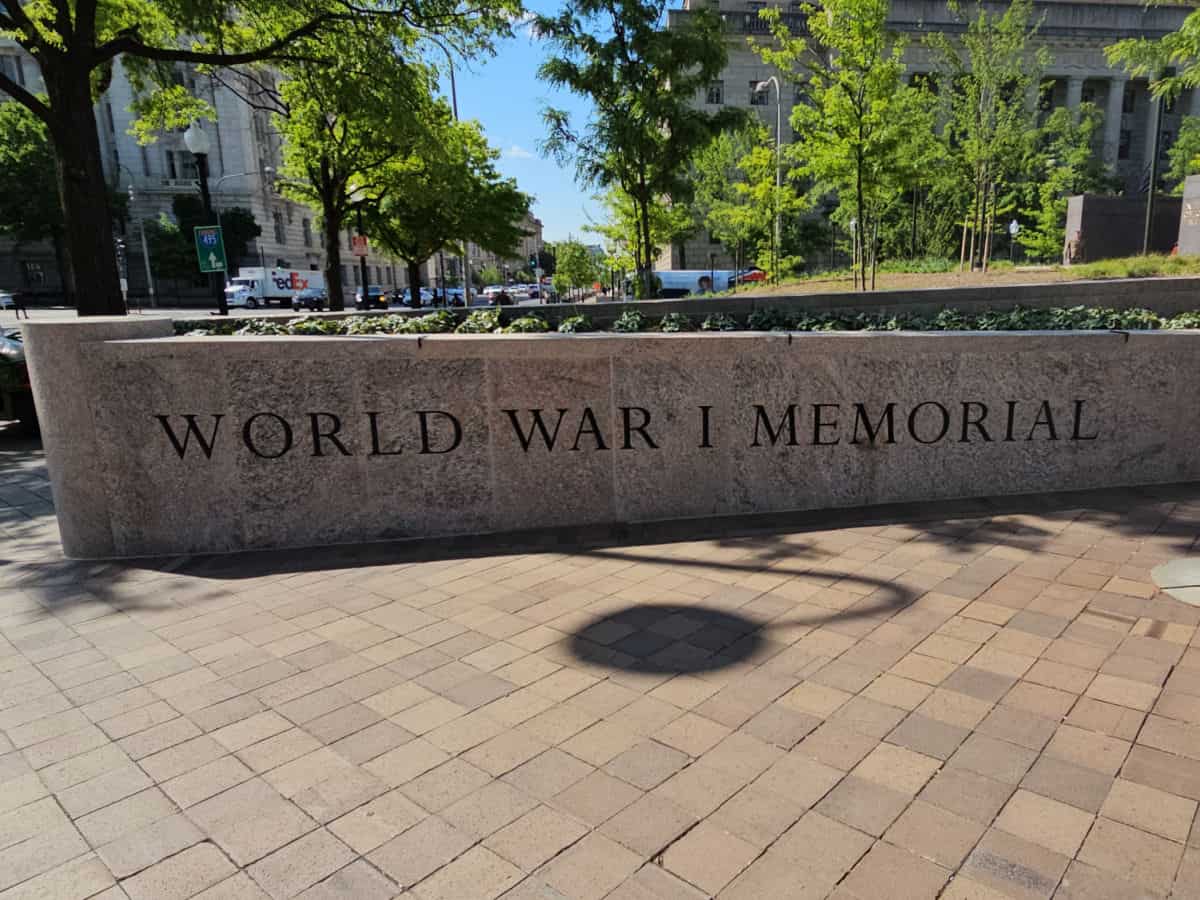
25 98
130 42
17 20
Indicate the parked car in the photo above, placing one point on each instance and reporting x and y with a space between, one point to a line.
16 396
310 298
8 300
377 298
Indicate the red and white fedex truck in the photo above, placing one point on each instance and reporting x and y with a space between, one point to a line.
257 286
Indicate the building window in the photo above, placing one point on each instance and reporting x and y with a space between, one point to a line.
170 157
345 275
280 232
1129 100
1123 146
1166 142
757 97
289 213
357 276
11 66
716 93
321 238
35 276
306 229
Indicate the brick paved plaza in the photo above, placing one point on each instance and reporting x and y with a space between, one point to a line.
955 704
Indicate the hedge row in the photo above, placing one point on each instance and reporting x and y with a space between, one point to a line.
498 321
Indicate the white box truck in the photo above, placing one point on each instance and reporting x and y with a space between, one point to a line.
256 286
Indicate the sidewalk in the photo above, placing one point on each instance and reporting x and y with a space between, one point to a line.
984 707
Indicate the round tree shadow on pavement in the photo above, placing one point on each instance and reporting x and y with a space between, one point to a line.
668 638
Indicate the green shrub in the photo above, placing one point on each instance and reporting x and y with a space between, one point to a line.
1183 320
315 325
629 321
263 326
769 320
441 322
926 264
480 321
719 322
526 325
675 322
575 324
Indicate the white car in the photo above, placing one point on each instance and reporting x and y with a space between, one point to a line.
8 300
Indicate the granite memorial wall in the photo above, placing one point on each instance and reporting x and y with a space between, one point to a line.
164 445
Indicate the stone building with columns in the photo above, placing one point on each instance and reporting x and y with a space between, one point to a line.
1074 31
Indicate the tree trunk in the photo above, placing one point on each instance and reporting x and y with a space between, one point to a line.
414 282
87 220
62 260
989 218
962 252
862 225
647 273
333 256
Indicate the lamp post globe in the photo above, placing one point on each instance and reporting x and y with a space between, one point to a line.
196 140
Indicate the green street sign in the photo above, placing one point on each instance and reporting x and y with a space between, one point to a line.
210 248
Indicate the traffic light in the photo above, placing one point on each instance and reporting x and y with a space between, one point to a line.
533 261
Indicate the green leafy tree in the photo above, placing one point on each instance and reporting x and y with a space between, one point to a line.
1183 159
722 202
76 43
992 74
626 241
859 123
343 121
238 226
577 267
1060 162
29 208
490 275
641 79
444 192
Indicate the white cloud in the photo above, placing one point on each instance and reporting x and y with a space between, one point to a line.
518 152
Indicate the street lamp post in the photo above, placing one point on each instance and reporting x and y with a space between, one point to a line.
761 87
198 145
142 231
266 170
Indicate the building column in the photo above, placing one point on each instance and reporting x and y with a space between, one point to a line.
1074 92
1112 119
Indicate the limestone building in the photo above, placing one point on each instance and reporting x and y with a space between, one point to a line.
1074 31
246 152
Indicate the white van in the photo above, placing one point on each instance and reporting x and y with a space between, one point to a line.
682 282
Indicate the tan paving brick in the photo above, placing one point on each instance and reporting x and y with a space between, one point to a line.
535 837
708 857
591 868
419 851
140 847
897 768
1043 821
1149 809
649 824
1132 854
1013 867
892 872
301 864
180 876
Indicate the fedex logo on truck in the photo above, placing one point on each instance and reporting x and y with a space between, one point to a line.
292 282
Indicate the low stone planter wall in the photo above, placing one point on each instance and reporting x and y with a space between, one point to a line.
163 445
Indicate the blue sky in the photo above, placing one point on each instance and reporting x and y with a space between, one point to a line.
504 93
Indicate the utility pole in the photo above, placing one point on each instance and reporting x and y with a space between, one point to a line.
1156 116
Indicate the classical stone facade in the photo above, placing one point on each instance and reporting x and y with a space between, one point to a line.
1074 31
245 145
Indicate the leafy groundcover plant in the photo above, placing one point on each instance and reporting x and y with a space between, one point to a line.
490 321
